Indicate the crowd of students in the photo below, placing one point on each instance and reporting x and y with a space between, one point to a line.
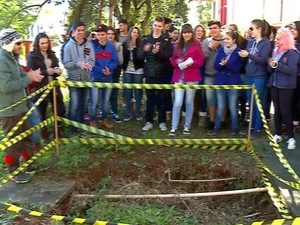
264 56
169 55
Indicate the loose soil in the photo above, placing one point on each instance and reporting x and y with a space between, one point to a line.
144 170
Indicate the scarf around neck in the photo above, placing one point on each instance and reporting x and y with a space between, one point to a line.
229 51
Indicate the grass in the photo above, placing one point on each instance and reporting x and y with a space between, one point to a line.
140 169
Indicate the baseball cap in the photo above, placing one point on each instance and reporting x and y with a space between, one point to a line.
101 28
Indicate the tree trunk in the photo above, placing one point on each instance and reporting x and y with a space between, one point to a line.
101 3
112 6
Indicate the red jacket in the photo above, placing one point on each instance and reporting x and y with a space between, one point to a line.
191 73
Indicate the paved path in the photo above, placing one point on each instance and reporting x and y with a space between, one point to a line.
45 190
269 158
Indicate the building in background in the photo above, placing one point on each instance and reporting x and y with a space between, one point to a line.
242 12
51 20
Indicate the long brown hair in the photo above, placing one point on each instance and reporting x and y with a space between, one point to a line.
186 28
128 39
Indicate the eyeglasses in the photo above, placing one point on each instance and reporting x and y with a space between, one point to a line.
19 43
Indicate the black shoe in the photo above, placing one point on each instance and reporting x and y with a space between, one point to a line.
21 178
223 126
210 125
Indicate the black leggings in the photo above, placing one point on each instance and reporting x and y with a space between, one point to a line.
282 100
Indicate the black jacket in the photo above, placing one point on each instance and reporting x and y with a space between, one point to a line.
35 61
157 66
137 62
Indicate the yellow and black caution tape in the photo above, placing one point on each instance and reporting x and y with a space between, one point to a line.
15 128
214 144
28 97
215 147
277 201
275 146
21 136
146 86
294 221
8 177
269 171
28 212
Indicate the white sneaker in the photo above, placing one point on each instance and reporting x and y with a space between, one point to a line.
162 126
291 144
276 139
148 126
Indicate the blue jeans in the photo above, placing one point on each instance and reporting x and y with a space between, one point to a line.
78 98
115 91
189 105
133 79
260 86
210 93
34 119
231 96
99 97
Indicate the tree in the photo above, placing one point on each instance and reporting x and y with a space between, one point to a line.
19 14
137 12
204 11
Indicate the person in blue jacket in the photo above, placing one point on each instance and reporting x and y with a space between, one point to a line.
257 52
295 30
106 60
283 81
228 64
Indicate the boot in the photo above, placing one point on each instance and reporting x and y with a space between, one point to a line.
106 124
202 121
93 123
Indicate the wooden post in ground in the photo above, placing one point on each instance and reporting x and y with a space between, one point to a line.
56 134
250 116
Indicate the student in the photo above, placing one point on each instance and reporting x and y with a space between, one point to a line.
79 59
13 85
257 52
106 57
156 49
210 47
112 36
186 59
42 57
283 81
295 29
228 64
133 72
200 35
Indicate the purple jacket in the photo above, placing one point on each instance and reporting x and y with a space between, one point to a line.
191 73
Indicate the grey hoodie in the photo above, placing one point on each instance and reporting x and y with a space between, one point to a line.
74 54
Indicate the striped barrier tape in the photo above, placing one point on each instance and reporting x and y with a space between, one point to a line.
120 139
214 147
275 146
146 86
28 97
294 221
21 136
215 143
275 197
269 171
8 177
16 127
28 212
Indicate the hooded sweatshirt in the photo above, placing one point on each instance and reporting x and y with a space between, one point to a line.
257 65
74 54
105 57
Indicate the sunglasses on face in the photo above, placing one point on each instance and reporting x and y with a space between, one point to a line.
251 28
19 43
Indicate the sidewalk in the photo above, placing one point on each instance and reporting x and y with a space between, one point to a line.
267 155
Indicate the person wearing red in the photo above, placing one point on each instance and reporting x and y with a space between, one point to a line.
186 59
